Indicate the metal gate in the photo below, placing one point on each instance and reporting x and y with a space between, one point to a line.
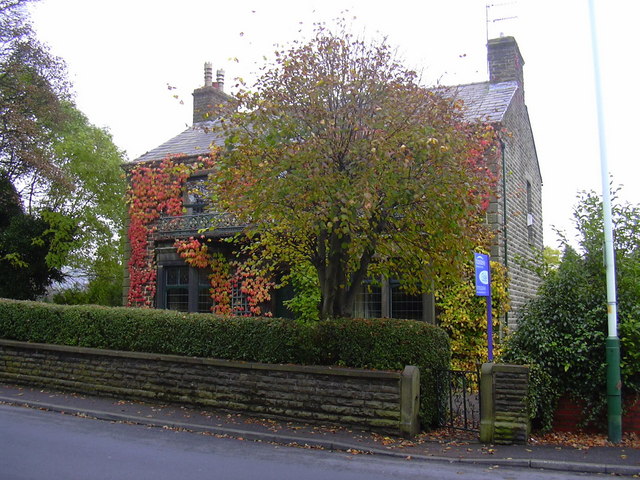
458 399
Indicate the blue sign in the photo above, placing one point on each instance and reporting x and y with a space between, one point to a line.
483 277
483 289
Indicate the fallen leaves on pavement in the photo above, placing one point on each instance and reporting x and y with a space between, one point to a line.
583 441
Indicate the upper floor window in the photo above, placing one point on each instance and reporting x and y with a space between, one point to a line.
196 195
530 219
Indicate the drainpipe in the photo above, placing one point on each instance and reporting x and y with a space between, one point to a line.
504 226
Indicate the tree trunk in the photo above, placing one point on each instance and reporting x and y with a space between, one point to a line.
338 289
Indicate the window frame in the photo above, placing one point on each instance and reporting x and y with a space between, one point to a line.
194 287
530 217
193 203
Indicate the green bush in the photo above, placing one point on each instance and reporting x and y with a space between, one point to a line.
377 344
562 332
389 344
99 291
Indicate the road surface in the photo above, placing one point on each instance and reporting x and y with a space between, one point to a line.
38 444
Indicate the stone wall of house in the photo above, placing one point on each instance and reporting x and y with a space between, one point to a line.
126 278
515 214
519 218
378 400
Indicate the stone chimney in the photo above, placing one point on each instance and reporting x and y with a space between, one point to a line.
505 61
208 98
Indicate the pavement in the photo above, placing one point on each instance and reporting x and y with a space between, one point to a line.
443 446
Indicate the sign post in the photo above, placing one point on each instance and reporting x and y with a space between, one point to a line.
483 289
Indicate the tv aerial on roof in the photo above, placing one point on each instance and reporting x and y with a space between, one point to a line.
496 12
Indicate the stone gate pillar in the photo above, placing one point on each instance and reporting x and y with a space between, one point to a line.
503 404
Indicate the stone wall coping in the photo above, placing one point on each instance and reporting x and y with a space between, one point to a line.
312 369
508 368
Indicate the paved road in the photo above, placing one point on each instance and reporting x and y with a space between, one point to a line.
37 444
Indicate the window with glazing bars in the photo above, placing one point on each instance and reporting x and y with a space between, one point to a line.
239 302
205 301
196 195
404 305
177 288
368 303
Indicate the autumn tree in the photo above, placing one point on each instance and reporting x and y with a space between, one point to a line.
338 158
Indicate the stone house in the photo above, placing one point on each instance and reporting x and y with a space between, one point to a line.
515 211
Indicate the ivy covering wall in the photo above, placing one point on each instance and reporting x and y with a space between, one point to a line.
227 277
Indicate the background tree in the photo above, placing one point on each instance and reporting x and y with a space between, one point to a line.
65 170
562 332
86 212
32 85
339 158
24 244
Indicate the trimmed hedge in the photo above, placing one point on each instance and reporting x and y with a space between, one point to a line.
384 344
390 344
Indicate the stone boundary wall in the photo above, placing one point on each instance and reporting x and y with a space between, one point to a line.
504 415
386 401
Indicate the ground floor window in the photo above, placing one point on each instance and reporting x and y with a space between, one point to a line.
184 288
386 299
239 301
176 288
403 304
369 301
205 302
187 289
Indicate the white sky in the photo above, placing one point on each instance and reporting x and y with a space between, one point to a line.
122 54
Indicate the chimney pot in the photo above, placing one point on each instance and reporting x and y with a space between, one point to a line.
208 99
208 74
220 79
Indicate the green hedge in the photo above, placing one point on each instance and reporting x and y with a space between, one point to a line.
389 344
384 344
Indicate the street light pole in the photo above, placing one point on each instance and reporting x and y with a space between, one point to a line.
614 383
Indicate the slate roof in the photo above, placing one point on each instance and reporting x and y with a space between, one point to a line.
487 102
194 141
